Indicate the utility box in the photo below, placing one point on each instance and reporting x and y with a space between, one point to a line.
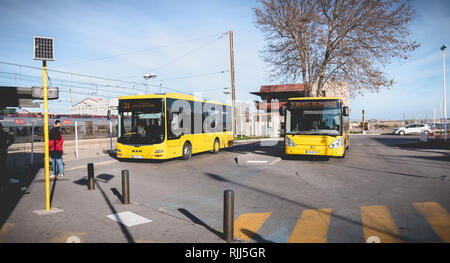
38 93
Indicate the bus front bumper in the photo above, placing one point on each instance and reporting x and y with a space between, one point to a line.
314 150
143 152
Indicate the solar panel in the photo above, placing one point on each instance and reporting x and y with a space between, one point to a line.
43 48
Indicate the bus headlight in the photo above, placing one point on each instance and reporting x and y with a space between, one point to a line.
289 142
336 143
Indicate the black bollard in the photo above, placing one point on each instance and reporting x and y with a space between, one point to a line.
228 215
91 182
125 187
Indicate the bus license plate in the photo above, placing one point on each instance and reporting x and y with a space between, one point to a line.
312 152
137 156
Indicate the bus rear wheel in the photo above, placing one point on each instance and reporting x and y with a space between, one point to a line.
187 151
216 146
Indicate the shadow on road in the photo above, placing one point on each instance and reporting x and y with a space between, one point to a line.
262 148
255 236
197 221
304 206
413 144
123 228
19 168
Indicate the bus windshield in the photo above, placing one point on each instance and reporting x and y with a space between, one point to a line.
141 121
314 117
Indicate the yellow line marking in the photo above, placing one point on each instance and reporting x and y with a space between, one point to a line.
5 229
248 224
377 221
437 217
312 227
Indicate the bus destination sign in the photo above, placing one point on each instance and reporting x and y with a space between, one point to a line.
314 105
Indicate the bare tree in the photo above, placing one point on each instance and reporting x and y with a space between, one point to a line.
335 41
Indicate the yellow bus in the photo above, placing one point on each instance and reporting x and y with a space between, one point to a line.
316 126
171 125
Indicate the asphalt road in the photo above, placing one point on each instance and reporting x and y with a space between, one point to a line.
380 190
374 174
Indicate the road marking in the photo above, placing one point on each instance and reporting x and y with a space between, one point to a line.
69 237
312 227
95 164
373 239
255 161
276 160
5 229
437 217
129 218
246 225
73 239
377 221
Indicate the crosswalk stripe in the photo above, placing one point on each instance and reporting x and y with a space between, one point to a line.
312 227
247 225
377 221
437 217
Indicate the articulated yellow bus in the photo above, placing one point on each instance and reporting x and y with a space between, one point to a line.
316 126
165 126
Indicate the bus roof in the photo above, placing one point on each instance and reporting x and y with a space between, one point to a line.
168 95
316 98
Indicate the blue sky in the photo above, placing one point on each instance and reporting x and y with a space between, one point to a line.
188 36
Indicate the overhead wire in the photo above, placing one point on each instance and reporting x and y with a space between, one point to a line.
92 84
137 51
180 57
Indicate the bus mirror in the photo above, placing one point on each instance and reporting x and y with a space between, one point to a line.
345 111
109 115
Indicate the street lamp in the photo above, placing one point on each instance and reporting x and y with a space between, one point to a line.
148 77
445 93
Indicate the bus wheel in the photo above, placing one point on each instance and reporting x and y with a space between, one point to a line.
187 151
216 146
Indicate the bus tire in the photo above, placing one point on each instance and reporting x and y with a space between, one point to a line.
216 146
187 151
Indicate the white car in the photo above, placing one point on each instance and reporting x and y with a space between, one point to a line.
416 128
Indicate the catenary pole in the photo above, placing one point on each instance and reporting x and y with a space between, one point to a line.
232 80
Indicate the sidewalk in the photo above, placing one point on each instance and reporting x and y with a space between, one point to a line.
84 215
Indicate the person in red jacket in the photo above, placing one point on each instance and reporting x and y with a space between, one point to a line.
56 149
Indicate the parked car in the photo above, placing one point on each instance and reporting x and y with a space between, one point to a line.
416 128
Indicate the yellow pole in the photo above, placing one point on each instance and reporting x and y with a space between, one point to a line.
46 160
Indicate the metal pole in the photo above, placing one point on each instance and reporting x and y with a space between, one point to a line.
76 139
46 150
32 144
445 98
125 187
232 80
91 182
110 136
228 215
